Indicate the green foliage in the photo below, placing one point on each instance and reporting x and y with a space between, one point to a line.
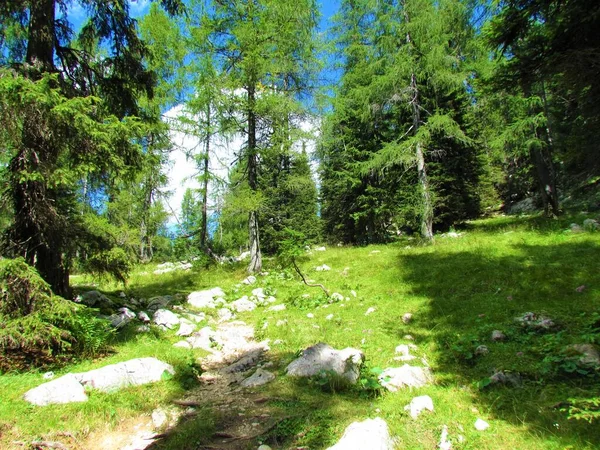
115 263
587 409
39 329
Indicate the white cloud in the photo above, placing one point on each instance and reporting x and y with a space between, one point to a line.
138 8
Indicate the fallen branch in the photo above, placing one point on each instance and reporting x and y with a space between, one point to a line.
306 282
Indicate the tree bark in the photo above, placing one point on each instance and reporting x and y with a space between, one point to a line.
205 176
253 230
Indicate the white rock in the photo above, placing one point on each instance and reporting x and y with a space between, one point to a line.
406 376
134 372
122 294
418 405
224 315
206 298
259 378
197 318
336 297
371 434
264 447
243 305
371 310
445 443
65 389
166 318
404 351
143 317
323 268
143 329
202 339
310 315
498 336
48 375
320 249
375 252
186 328
407 318
259 292
481 425
353 293
270 299
277 308
281 323
250 280
159 418
329 317
277 342
321 357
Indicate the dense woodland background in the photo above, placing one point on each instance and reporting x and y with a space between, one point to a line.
425 114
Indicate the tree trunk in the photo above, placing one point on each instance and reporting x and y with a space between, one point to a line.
253 230
205 176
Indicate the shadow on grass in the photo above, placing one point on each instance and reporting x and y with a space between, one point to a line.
473 293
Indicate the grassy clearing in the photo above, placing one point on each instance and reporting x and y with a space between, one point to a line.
459 291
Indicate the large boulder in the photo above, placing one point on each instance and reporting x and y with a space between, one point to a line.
243 305
371 434
65 389
160 302
134 372
406 376
322 357
259 378
206 298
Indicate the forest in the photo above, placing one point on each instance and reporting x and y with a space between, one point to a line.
395 125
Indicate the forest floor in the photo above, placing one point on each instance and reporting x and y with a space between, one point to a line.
459 290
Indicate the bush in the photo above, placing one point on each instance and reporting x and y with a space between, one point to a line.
38 328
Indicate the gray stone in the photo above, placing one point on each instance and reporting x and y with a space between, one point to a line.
224 315
243 305
134 372
143 329
122 318
249 280
482 350
404 351
205 339
323 268
407 318
95 299
143 317
586 355
591 225
259 378
166 318
371 434
160 302
65 389
336 297
264 447
506 378
321 357
259 293
575 228
498 336
418 405
197 318
444 443
536 322
396 378
159 418
525 206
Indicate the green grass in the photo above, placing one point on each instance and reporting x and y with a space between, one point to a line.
459 291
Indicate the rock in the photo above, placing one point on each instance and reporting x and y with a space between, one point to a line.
353 294
197 318
591 225
375 252
536 322
329 317
482 350
224 315
580 288
525 206
206 298
250 280
185 329
166 318
323 268
243 305
321 357
502 377
143 329
406 376
336 297
481 425
371 310
259 378
407 318
264 447
182 344
418 405
445 443
122 318
585 355
310 315
259 293
160 302
134 372
204 339
320 249
408 337
371 434
48 375
96 299
143 317
281 323
498 336
281 307
404 351
575 228
159 418
277 342
65 389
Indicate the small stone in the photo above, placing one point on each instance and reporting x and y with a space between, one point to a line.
277 308
159 418
418 405
591 225
336 297
320 249
407 318
243 305
575 228
322 357
264 447
259 293
481 425
580 288
310 315
277 342
445 443
186 329
406 376
353 294
143 317
250 280
408 337
498 336
66 389
329 317
371 434
586 355
143 329
48 375
224 315
182 344
281 323
166 318
259 378
482 350
323 268
371 310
